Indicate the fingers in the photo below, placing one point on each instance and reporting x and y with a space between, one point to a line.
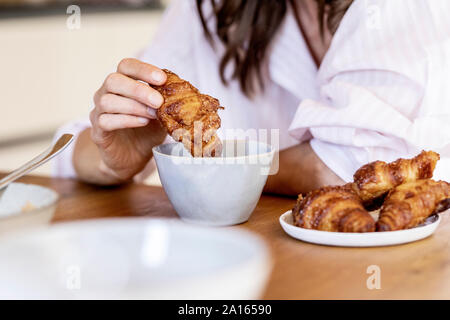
110 122
111 103
139 70
120 84
125 101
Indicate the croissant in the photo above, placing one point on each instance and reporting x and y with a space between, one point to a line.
410 204
336 209
189 116
376 178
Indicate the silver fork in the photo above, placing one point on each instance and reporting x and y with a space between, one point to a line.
36 162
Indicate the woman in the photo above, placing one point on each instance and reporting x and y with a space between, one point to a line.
346 82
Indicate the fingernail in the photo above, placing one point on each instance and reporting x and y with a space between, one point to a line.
155 99
143 120
158 76
151 112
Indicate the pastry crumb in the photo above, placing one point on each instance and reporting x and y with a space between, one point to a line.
28 207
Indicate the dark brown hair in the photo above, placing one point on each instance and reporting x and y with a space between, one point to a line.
246 28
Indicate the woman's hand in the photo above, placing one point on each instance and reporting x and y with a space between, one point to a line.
124 125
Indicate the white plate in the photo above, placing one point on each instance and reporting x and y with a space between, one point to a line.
136 258
26 206
367 239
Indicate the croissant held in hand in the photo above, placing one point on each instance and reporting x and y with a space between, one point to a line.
189 116
409 204
337 209
377 178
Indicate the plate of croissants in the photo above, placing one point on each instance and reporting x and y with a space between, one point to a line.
386 204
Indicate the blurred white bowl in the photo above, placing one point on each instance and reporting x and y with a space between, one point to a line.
219 191
26 205
132 258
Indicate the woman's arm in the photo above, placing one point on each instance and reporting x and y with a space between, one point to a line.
300 170
381 104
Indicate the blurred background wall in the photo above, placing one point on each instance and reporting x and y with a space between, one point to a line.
50 72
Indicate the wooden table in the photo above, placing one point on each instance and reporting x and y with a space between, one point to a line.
419 270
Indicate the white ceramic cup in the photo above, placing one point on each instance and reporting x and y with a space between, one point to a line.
219 191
